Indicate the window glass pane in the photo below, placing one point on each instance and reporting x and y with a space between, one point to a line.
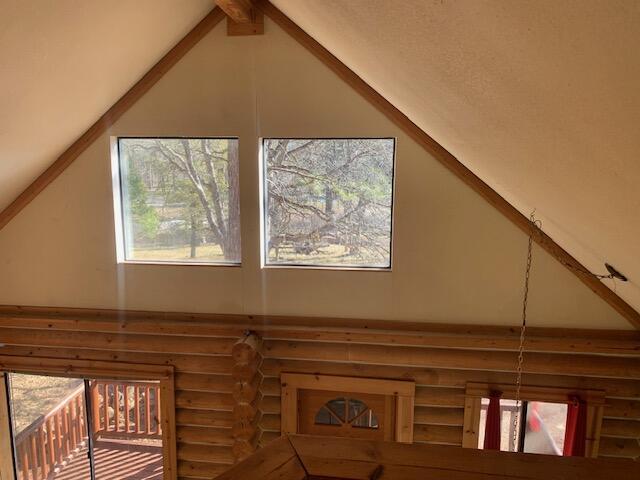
509 412
127 433
546 424
337 406
49 427
544 432
325 417
180 199
328 202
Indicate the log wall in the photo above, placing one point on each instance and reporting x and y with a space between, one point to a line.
440 359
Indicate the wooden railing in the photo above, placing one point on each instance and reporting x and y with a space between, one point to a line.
135 413
52 439
122 410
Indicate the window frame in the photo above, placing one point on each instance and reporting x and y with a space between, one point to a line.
263 196
475 392
74 368
118 204
403 391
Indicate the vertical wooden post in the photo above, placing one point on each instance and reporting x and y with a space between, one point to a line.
95 407
472 407
6 456
158 417
147 410
52 448
106 407
125 388
137 403
247 355
116 407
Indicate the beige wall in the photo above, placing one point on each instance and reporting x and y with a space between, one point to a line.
456 259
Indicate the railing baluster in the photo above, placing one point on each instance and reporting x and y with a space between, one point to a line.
42 452
116 407
106 407
80 413
51 459
59 449
158 427
24 460
33 456
65 433
136 390
73 417
95 406
147 404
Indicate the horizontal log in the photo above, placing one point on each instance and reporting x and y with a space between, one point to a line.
439 397
245 429
204 400
313 328
270 405
446 377
247 411
619 447
271 385
181 362
268 437
245 392
205 453
587 365
200 470
203 418
247 348
111 341
204 435
620 428
204 383
437 434
438 416
270 423
618 408
244 372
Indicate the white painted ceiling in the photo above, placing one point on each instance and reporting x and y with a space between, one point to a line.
541 99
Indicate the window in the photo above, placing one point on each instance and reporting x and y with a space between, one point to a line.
551 419
64 423
328 202
542 432
366 408
177 200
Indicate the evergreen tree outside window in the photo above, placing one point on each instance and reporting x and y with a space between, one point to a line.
180 200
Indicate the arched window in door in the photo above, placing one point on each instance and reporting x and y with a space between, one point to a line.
347 411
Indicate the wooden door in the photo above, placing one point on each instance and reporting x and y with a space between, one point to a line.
344 414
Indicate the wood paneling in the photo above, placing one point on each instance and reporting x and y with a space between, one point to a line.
205 385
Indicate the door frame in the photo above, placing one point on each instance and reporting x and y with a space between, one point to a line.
76 368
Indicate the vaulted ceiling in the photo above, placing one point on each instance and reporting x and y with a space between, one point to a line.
540 99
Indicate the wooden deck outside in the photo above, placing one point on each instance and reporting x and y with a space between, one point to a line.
115 460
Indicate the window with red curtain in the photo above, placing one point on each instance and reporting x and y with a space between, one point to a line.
576 428
493 424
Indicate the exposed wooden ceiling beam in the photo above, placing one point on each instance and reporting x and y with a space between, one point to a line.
242 17
240 11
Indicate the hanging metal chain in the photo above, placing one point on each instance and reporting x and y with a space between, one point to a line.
523 328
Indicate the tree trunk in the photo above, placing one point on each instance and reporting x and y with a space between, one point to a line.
194 237
231 247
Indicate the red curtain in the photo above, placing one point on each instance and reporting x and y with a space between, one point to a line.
575 436
492 428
